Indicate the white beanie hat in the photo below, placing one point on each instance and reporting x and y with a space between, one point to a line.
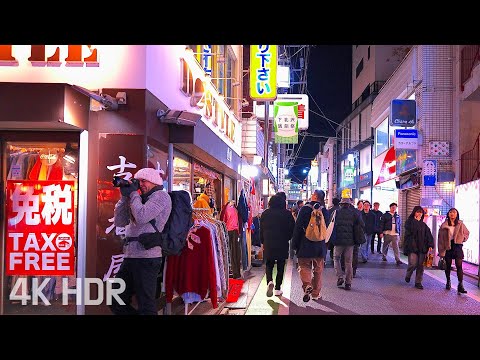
149 174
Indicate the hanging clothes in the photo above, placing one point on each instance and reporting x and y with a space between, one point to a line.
201 269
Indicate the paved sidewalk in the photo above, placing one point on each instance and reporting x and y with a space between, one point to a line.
378 289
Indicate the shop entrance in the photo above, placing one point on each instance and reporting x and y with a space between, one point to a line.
39 175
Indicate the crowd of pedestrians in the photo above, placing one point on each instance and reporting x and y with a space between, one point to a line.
355 231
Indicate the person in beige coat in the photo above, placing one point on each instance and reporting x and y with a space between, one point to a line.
451 236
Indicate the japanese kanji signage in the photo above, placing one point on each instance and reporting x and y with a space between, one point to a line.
285 126
119 155
263 72
40 236
303 108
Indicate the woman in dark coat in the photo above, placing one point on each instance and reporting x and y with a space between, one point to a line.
417 239
276 230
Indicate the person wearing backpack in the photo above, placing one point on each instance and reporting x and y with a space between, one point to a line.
311 253
141 214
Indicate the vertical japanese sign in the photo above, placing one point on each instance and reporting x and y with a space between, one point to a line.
263 72
285 125
119 155
207 59
40 232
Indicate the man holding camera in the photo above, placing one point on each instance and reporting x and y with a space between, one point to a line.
140 266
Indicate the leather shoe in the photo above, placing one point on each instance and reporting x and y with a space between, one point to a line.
448 285
407 279
348 287
419 286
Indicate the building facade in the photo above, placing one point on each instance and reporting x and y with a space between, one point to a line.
73 116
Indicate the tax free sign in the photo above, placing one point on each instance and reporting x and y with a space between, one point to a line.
40 228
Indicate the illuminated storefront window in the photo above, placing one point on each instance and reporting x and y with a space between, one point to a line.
40 227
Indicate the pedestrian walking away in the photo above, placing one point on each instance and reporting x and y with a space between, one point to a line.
276 230
310 254
344 240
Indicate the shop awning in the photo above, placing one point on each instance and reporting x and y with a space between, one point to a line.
384 167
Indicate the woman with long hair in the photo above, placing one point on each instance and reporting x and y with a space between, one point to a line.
417 240
451 236
276 230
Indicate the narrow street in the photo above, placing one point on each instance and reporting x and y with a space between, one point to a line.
378 289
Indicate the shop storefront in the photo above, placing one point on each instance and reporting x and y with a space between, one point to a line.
384 185
72 117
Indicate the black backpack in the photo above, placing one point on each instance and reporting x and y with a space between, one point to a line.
174 234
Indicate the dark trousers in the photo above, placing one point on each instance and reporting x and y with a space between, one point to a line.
354 259
235 253
379 243
458 265
269 264
140 276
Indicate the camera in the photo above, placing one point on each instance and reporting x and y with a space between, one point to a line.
119 182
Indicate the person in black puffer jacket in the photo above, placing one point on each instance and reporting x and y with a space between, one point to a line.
345 221
276 229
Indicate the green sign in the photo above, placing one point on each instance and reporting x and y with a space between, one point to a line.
285 115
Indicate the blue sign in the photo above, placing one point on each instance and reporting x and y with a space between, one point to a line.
406 134
403 112
429 172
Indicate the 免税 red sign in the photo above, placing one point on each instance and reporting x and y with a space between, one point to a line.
40 230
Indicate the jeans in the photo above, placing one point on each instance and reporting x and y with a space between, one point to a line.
269 264
364 247
415 261
347 252
387 239
305 270
140 276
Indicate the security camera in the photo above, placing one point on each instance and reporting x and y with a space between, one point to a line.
107 101
121 97
178 117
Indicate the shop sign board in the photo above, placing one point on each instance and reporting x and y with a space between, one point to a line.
406 159
429 172
285 114
406 139
40 232
403 112
263 72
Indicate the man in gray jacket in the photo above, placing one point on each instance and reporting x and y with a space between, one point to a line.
140 266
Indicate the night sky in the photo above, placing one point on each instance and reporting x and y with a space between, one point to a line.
329 79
